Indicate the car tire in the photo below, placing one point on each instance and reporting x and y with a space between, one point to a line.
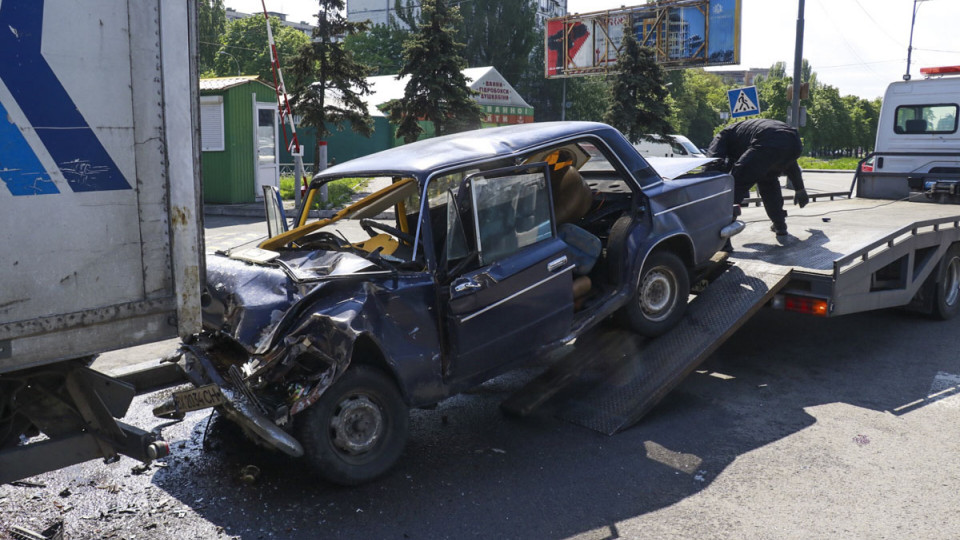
358 428
660 295
946 302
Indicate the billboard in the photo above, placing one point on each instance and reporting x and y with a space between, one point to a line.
683 33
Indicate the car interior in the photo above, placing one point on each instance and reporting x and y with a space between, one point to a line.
480 215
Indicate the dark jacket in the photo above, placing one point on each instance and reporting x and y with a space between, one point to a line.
772 137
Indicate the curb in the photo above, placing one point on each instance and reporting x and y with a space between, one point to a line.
836 171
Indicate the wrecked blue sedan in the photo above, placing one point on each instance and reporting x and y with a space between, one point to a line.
498 245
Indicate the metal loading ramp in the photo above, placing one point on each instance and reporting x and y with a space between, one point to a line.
613 377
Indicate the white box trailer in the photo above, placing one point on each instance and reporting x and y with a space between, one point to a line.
99 211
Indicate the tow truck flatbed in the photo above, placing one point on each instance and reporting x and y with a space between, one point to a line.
841 256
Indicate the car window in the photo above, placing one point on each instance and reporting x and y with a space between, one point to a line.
916 119
510 212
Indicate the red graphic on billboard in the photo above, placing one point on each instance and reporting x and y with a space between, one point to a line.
564 41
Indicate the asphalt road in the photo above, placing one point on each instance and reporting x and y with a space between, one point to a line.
797 427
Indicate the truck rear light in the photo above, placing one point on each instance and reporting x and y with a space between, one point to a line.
803 304
866 168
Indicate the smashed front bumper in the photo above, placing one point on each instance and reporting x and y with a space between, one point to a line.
240 405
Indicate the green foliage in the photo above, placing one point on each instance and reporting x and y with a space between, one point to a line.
380 48
698 97
844 163
339 192
499 33
772 91
437 90
639 99
828 122
246 41
590 98
329 84
211 24
405 14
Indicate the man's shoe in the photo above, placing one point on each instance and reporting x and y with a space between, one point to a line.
779 228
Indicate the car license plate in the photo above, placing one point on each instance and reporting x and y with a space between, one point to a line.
198 398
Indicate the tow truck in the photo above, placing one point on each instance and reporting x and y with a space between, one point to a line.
891 240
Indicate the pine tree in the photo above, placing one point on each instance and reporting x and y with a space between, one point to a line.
437 90
639 99
329 84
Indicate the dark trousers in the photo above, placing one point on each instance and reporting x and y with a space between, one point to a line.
761 167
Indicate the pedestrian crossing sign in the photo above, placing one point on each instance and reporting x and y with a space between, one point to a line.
743 101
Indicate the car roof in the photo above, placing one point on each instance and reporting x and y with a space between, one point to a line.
421 157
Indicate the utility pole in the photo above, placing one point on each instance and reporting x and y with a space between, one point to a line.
797 62
906 76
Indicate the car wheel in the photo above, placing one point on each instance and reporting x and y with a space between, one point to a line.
947 301
358 428
660 296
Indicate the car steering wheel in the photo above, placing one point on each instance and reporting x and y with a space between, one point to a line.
370 226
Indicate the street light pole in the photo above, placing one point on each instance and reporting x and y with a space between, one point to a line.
906 76
797 63
225 53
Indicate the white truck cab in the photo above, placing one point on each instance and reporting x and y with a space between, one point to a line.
917 138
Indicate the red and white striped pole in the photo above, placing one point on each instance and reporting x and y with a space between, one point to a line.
283 106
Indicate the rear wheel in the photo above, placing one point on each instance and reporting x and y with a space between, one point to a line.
358 428
946 303
660 297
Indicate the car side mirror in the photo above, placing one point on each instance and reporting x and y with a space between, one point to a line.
273 206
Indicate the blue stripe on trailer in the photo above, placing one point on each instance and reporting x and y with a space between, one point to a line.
20 169
68 138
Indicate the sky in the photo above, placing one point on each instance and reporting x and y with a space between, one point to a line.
858 46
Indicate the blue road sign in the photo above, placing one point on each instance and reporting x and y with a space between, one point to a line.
743 101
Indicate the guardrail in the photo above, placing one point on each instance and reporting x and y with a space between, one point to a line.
890 241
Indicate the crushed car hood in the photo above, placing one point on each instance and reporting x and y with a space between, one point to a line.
250 301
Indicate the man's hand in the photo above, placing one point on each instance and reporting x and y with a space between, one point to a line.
800 197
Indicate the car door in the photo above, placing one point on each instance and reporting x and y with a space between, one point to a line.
518 294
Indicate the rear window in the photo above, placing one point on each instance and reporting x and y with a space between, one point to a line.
914 119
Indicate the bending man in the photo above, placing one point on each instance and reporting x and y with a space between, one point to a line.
757 152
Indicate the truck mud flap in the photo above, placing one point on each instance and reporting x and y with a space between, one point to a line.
613 377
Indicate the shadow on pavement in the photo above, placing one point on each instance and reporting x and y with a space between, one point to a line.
468 471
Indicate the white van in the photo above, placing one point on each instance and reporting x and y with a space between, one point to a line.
679 146
917 138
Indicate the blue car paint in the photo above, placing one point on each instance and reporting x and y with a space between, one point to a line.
401 319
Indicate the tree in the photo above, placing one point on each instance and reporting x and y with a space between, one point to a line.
499 33
246 42
381 48
437 90
329 84
772 91
828 124
544 95
589 98
211 24
639 99
698 97
405 12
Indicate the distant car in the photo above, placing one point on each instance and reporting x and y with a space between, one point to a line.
675 146
501 244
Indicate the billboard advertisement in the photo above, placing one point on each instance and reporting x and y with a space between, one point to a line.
682 33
